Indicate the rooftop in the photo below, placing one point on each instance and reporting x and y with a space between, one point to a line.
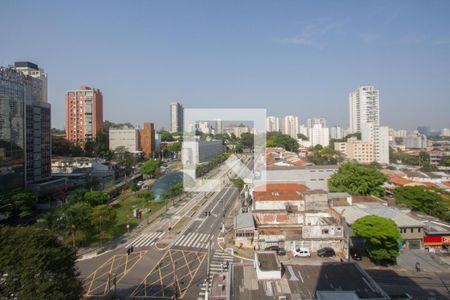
304 282
359 210
244 221
268 261
279 192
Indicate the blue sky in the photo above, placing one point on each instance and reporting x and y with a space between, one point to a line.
291 57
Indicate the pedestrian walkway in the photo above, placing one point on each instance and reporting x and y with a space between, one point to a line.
146 239
193 240
217 266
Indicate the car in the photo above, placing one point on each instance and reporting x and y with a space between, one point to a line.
301 251
326 252
356 254
277 249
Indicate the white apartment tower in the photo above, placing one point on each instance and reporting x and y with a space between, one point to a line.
319 135
176 117
272 124
379 137
290 126
364 107
316 121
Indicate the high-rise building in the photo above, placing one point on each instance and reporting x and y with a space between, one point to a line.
364 107
218 127
25 126
272 124
147 139
203 127
415 141
176 117
319 135
401 133
445 132
313 121
379 137
336 132
84 115
290 126
124 136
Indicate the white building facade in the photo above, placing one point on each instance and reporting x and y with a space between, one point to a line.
290 126
127 137
364 107
176 117
319 135
379 137
272 124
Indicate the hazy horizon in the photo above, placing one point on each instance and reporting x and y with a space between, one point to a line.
289 57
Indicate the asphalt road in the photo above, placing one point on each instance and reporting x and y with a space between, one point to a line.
180 267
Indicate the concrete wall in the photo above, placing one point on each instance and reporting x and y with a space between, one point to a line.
312 177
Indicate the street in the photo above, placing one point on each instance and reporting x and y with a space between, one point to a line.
166 262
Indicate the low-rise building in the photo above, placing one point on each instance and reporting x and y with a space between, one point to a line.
411 230
327 281
313 177
244 230
289 215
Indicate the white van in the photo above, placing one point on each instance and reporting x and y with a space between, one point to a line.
302 252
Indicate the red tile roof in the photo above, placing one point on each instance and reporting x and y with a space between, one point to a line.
279 192
399 180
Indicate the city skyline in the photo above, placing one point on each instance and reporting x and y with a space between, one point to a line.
297 65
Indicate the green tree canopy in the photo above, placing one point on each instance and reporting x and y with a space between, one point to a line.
151 167
247 139
277 139
103 216
42 269
95 198
166 136
381 237
356 179
422 199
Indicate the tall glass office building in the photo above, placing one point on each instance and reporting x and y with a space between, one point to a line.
25 127
12 129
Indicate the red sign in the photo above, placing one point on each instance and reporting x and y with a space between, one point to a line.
436 240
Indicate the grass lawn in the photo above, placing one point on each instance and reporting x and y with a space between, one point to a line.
181 223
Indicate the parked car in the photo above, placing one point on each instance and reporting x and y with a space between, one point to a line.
356 254
326 252
300 251
277 249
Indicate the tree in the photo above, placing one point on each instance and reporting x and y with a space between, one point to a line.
147 195
103 217
277 139
166 136
445 161
247 140
422 199
356 179
124 158
95 198
151 167
302 137
174 147
238 182
325 156
42 269
22 204
381 237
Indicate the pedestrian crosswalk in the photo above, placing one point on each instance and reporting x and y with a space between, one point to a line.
146 239
217 266
193 240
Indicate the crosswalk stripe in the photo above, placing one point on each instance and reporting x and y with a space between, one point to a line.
184 239
188 240
144 240
200 240
179 240
195 240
